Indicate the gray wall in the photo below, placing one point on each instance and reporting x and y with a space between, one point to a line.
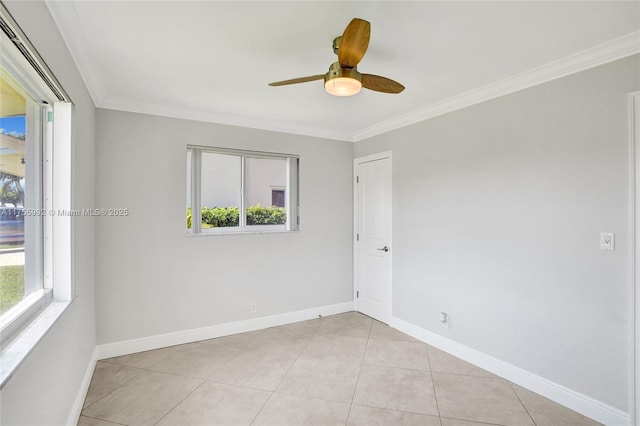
43 389
154 279
497 210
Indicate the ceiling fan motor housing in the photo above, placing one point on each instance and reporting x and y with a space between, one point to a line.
336 71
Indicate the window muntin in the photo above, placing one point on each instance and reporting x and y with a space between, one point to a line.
231 191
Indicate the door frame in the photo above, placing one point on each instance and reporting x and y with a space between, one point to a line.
356 163
634 180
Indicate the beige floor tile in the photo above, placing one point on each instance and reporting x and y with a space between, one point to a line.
217 404
331 380
443 362
256 369
281 341
399 354
143 400
347 324
332 347
291 410
382 331
548 413
143 359
195 360
457 422
88 421
316 368
480 399
240 341
396 389
106 378
369 416
301 328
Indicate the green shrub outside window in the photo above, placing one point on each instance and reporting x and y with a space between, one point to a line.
224 217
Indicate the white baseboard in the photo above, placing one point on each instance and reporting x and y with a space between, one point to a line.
76 409
193 335
576 401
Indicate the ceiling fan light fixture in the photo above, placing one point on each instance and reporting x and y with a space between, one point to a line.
342 81
343 86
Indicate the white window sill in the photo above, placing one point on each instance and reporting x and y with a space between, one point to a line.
18 350
263 231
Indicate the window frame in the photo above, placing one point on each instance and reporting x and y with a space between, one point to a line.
31 318
291 192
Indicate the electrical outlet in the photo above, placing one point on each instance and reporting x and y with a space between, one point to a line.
252 307
607 241
444 319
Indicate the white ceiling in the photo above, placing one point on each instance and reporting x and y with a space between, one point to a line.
212 60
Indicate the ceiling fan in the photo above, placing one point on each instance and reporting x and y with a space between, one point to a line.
343 78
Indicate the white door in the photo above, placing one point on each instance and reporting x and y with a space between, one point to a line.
372 242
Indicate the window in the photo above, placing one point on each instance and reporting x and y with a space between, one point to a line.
21 254
35 196
277 197
231 191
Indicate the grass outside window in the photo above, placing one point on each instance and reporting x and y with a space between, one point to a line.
11 286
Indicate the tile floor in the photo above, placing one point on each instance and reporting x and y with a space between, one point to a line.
344 369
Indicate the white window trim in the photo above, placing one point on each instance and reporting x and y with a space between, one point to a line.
291 196
35 315
31 319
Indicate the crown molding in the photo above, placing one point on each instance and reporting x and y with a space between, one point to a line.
598 55
223 118
66 19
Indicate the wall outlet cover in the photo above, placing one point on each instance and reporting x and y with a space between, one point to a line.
607 241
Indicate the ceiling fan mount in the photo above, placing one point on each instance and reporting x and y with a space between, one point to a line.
336 44
343 78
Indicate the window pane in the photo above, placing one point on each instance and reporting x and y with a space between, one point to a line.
20 186
263 177
220 194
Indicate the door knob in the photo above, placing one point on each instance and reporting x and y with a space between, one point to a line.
385 249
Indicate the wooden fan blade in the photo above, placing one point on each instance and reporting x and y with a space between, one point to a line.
298 80
381 84
354 43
